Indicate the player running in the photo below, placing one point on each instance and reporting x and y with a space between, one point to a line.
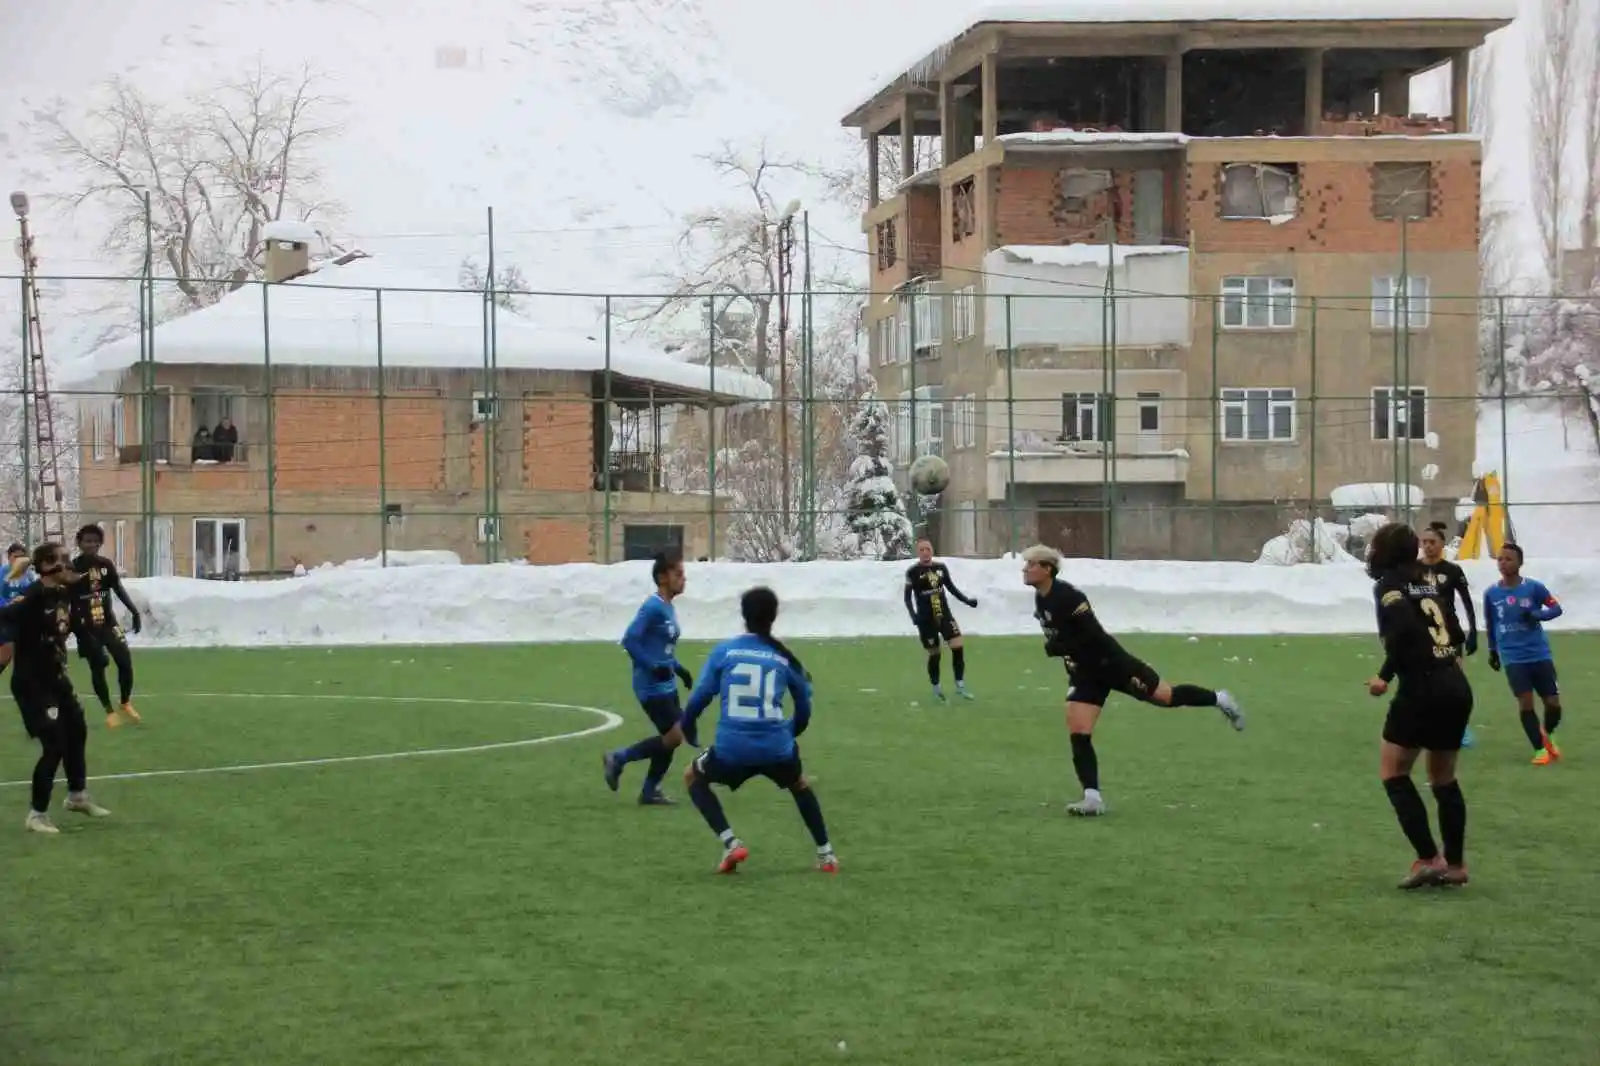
18 576
1422 643
751 673
100 635
1096 667
652 644
926 584
1514 610
40 620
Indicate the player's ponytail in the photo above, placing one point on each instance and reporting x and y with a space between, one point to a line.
759 606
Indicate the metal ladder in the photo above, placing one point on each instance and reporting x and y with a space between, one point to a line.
45 486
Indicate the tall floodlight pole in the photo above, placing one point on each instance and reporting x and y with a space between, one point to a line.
785 288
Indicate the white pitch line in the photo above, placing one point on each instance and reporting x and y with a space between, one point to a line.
611 721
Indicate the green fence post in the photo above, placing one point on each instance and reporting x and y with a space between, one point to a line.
491 435
383 448
27 431
605 445
1311 499
1108 384
1505 436
1216 415
1011 430
147 358
272 444
711 425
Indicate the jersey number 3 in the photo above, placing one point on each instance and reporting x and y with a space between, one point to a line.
753 693
1437 629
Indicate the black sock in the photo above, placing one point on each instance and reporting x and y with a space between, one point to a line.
659 765
958 663
1530 726
1193 696
1413 816
649 748
1552 717
1452 821
1084 761
710 808
811 812
933 669
97 678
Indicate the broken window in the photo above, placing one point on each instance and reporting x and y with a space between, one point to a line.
1402 190
1078 186
886 245
1258 190
963 209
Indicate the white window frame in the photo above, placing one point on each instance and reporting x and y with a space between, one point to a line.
119 544
484 408
99 447
964 422
901 428
930 420
119 428
1386 304
487 529
1280 404
1101 411
929 310
1272 296
886 339
902 318
1148 401
964 313
1395 405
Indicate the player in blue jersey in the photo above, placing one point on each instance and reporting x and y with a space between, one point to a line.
751 673
652 644
1515 609
18 576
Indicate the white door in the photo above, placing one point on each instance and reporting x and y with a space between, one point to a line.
162 533
219 547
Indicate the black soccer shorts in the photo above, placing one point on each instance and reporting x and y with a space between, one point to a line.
664 711
785 773
94 641
47 707
1130 676
1430 710
930 631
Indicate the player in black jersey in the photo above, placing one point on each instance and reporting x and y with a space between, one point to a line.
1096 667
1451 581
1422 643
40 620
927 582
101 635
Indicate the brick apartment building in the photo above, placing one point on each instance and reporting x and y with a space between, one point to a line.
322 471
1221 175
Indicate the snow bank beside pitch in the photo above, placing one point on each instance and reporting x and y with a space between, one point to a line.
513 603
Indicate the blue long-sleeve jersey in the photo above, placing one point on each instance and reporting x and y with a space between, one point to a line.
11 588
751 676
652 643
1516 618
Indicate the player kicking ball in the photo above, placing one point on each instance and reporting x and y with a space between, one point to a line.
1096 667
751 673
927 581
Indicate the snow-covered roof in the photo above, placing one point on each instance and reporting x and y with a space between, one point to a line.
1108 12
1375 494
1070 255
329 319
1063 137
289 229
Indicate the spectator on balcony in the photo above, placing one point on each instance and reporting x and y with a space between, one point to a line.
225 439
202 450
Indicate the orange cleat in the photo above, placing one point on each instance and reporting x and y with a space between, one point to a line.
1454 876
828 864
732 858
1550 746
130 714
1542 757
112 721
1424 872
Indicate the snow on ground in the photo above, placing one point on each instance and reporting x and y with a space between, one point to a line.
511 603
1550 474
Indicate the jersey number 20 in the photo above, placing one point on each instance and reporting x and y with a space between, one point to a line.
753 693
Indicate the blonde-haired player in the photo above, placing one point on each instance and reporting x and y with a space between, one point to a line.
1096 667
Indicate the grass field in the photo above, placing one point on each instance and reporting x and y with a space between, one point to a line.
503 907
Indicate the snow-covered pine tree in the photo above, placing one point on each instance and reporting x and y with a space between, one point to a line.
876 515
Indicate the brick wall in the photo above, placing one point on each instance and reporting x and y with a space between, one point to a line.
921 233
557 442
556 540
328 442
1032 210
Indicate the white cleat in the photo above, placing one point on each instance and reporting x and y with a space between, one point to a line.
1091 806
83 803
39 823
1230 710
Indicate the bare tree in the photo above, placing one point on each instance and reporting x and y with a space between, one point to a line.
850 183
1588 183
1555 60
217 167
509 282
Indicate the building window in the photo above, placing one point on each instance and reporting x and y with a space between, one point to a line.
484 407
119 544
1402 190
929 420
963 209
1256 190
964 312
100 448
1149 412
929 325
488 529
1257 303
902 429
1085 416
1258 414
964 431
1386 312
887 254
1079 187
119 427
1399 414
218 412
886 336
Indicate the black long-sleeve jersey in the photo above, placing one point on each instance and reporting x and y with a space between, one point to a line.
926 584
91 597
40 620
1071 630
1418 626
1451 581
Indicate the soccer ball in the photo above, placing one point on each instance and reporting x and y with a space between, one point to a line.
930 475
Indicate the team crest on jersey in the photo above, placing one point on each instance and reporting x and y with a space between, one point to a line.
51 713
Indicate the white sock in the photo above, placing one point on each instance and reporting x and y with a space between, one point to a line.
1091 793
728 839
825 851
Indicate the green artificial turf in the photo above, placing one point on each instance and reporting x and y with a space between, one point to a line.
502 906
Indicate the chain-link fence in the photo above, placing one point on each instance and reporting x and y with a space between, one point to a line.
297 424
